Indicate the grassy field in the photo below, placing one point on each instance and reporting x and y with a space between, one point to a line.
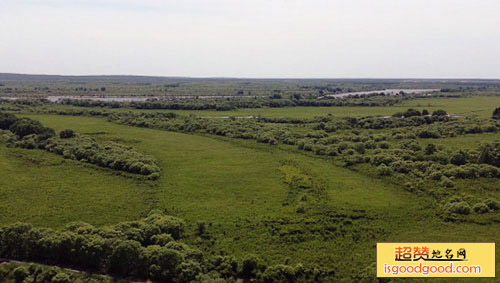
47 190
475 106
239 187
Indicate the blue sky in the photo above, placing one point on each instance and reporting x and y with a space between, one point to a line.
258 38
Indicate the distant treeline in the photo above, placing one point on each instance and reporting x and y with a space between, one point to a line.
275 101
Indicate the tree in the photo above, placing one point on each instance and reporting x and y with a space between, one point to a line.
201 227
411 112
23 127
490 154
188 271
125 258
276 96
66 134
163 263
6 120
496 113
61 277
439 112
458 158
249 265
20 273
430 149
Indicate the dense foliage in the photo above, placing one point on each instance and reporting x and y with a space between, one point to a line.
27 133
108 154
232 103
149 248
33 273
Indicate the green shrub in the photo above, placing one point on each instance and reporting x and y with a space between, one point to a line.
109 154
384 170
428 134
490 154
281 273
481 208
496 113
249 265
201 227
7 120
31 134
430 149
67 134
384 145
61 277
458 158
300 209
188 271
436 175
24 126
460 207
226 266
492 204
439 112
446 182
161 239
20 273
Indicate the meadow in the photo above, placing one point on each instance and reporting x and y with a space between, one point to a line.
474 106
282 204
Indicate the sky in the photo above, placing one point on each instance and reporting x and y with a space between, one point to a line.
252 38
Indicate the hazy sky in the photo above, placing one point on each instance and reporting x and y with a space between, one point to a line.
252 38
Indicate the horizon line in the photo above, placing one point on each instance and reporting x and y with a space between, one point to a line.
248 78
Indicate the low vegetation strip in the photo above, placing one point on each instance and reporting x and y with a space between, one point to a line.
15 271
27 133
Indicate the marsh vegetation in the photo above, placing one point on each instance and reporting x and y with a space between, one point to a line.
284 187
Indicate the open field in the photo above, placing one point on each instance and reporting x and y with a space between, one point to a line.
215 180
478 106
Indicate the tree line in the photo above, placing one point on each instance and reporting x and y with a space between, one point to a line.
31 134
149 248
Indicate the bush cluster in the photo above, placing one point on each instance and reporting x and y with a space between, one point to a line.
458 206
354 146
108 154
496 113
33 135
126 249
232 103
149 248
33 273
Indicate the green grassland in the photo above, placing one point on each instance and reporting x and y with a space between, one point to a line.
474 106
243 190
481 106
47 190
283 204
